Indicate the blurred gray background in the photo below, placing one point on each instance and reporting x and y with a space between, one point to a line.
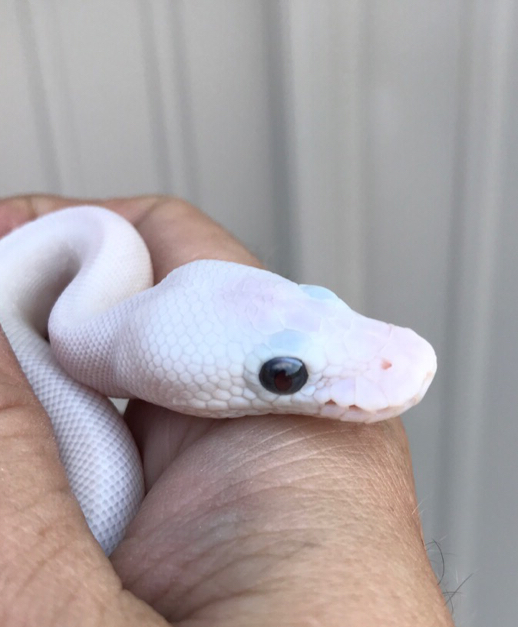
368 145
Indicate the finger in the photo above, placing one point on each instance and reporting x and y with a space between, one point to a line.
175 231
50 564
17 210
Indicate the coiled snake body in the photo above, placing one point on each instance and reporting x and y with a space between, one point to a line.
213 339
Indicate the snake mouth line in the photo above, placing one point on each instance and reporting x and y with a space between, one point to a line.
350 407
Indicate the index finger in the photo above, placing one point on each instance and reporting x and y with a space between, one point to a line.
175 231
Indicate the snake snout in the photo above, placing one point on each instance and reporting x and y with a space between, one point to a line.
384 384
413 365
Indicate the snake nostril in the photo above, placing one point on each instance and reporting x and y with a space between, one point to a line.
385 364
329 403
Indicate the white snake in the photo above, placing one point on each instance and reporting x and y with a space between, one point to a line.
213 339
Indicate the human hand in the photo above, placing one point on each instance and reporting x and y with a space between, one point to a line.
269 520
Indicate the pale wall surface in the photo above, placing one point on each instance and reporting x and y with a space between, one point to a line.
370 146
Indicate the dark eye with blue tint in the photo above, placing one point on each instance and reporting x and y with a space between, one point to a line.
283 375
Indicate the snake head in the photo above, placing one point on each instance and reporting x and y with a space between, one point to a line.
230 340
318 357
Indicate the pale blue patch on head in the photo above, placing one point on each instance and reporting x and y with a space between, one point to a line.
318 292
289 342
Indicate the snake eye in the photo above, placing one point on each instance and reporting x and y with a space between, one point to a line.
283 375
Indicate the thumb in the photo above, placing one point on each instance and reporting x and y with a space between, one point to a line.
52 569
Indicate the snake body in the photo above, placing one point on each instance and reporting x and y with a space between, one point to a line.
213 339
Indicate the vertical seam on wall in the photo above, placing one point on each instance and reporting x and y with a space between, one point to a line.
154 98
455 272
61 91
369 180
39 97
357 208
276 55
191 160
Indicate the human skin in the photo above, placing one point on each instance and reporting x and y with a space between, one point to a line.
268 520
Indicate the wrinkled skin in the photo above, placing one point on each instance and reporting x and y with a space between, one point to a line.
258 521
